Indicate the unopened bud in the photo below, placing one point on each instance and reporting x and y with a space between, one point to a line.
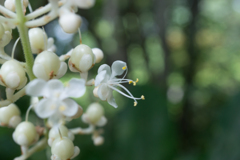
10 4
48 66
82 59
63 148
54 133
79 113
10 115
38 39
94 113
70 22
98 140
25 134
98 54
13 75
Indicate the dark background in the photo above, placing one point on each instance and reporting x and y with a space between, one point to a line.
186 54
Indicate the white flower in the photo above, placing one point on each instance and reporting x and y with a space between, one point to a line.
56 102
82 3
106 82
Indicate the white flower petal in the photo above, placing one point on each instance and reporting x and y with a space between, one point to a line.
54 88
71 107
75 88
39 71
118 67
101 77
104 67
56 119
102 122
76 152
111 101
104 91
36 87
62 70
45 108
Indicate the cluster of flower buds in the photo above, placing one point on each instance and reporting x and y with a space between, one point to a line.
52 99
94 117
60 141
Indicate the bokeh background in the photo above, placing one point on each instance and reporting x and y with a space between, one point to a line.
186 54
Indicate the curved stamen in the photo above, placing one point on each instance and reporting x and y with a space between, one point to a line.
124 94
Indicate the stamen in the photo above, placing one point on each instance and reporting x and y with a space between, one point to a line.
137 80
143 98
125 67
130 82
134 83
62 108
135 104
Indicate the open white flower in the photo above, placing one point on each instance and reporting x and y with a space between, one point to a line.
106 82
56 103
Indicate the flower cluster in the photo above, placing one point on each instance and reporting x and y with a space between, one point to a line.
39 78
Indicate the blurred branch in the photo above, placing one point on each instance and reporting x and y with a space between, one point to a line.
189 70
160 9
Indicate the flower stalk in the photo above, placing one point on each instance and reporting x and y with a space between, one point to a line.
23 32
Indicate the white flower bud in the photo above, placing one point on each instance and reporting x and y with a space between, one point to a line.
98 54
94 113
54 133
47 66
10 115
38 40
79 113
70 22
95 92
25 134
63 148
98 140
10 4
12 75
82 59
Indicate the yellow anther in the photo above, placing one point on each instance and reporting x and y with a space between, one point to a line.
125 67
143 98
134 83
130 82
62 108
137 80
135 104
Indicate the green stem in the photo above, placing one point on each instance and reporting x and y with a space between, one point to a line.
23 32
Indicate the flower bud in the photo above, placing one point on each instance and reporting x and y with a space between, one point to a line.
94 113
95 92
47 66
64 149
70 22
12 75
10 116
10 4
54 133
82 59
99 140
79 113
98 54
25 134
38 39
